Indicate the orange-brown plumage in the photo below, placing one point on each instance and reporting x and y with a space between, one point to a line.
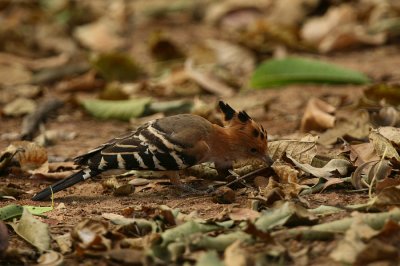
174 143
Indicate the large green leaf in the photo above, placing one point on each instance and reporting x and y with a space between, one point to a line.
122 110
279 72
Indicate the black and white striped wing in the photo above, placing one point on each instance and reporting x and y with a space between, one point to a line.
146 149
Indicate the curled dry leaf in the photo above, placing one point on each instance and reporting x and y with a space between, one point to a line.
302 150
392 134
89 235
382 146
33 231
362 153
208 81
285 213
317 116
237 60
51 258
31 157
124 190
64 242
353 126
286 173
339 166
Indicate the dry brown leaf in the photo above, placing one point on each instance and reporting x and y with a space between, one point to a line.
388 196
339 166
34 63
382 146
13 74
352 244
31 156
51 258
19 106
391 133
362 153
4 238
242 214
286 173
354 126
101 35
88 235
302 150
238 61
387 182
208 81
85 82
317 116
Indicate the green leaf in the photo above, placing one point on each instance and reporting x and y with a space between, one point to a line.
14 211
122 110
35 210
279 72
10 211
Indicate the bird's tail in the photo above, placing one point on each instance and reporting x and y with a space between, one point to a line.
65 183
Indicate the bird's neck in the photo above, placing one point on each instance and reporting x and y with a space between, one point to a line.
222 144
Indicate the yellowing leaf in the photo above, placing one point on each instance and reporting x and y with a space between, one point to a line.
122 110
33 231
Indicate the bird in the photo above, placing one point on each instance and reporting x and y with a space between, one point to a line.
173 143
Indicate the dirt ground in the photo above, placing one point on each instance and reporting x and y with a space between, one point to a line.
282 118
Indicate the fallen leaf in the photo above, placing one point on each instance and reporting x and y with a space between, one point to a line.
242 214
51 258
339 166
64 242
353 244
13 74
209 258
302 151
286 213
208 81
19 106
388 196
363 153
317 116
280 72
33 231
353 126
390 133
236 255
89 236
122 110
101 35
382 146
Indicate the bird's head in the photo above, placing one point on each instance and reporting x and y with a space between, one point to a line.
249 139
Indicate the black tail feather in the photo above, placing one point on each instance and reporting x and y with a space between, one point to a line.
63 184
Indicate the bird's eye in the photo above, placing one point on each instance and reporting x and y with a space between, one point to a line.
253 150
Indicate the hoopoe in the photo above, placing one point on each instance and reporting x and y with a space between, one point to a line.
173 143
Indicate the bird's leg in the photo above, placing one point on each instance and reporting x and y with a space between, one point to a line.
174 177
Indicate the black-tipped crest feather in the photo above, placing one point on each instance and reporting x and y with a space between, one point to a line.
227 110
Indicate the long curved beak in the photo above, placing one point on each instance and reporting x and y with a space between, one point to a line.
267 159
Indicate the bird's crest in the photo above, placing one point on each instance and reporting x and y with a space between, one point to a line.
242 120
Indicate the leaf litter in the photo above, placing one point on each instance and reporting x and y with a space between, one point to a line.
331 194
